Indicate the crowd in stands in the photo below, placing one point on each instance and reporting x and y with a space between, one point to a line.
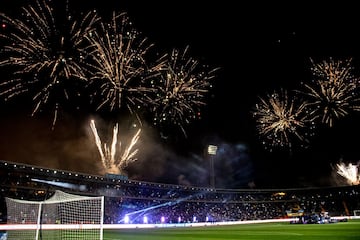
128 201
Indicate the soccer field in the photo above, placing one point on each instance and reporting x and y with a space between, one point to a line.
265 231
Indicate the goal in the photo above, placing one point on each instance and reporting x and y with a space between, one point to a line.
357 213
62 216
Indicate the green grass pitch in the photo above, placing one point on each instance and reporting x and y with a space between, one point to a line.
265 231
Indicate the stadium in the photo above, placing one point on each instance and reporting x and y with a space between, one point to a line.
271 99
43 203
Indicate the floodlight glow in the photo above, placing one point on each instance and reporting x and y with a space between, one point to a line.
126 219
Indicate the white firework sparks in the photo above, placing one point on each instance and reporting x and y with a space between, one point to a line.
108 154
350 172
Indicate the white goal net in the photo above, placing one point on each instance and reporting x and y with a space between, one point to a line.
357 213
62 216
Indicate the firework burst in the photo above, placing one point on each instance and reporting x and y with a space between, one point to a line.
280 120
46 54
181 91
334 92
120 68
350 172
111 161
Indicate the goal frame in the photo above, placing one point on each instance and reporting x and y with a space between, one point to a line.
60 218
356 212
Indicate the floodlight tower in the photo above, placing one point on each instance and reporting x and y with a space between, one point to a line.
211 150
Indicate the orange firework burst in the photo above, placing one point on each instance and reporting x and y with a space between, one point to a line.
120 67
181 90
334 92
46 54
281 119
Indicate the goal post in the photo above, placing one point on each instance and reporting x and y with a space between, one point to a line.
62 216
357 213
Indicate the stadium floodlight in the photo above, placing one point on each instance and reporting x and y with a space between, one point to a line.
211 150
62 216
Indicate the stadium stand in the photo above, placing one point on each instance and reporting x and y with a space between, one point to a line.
129 201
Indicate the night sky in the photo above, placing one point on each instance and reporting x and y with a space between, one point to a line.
258 47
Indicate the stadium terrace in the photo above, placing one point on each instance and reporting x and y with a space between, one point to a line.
135 202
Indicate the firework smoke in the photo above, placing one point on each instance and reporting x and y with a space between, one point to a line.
109 157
